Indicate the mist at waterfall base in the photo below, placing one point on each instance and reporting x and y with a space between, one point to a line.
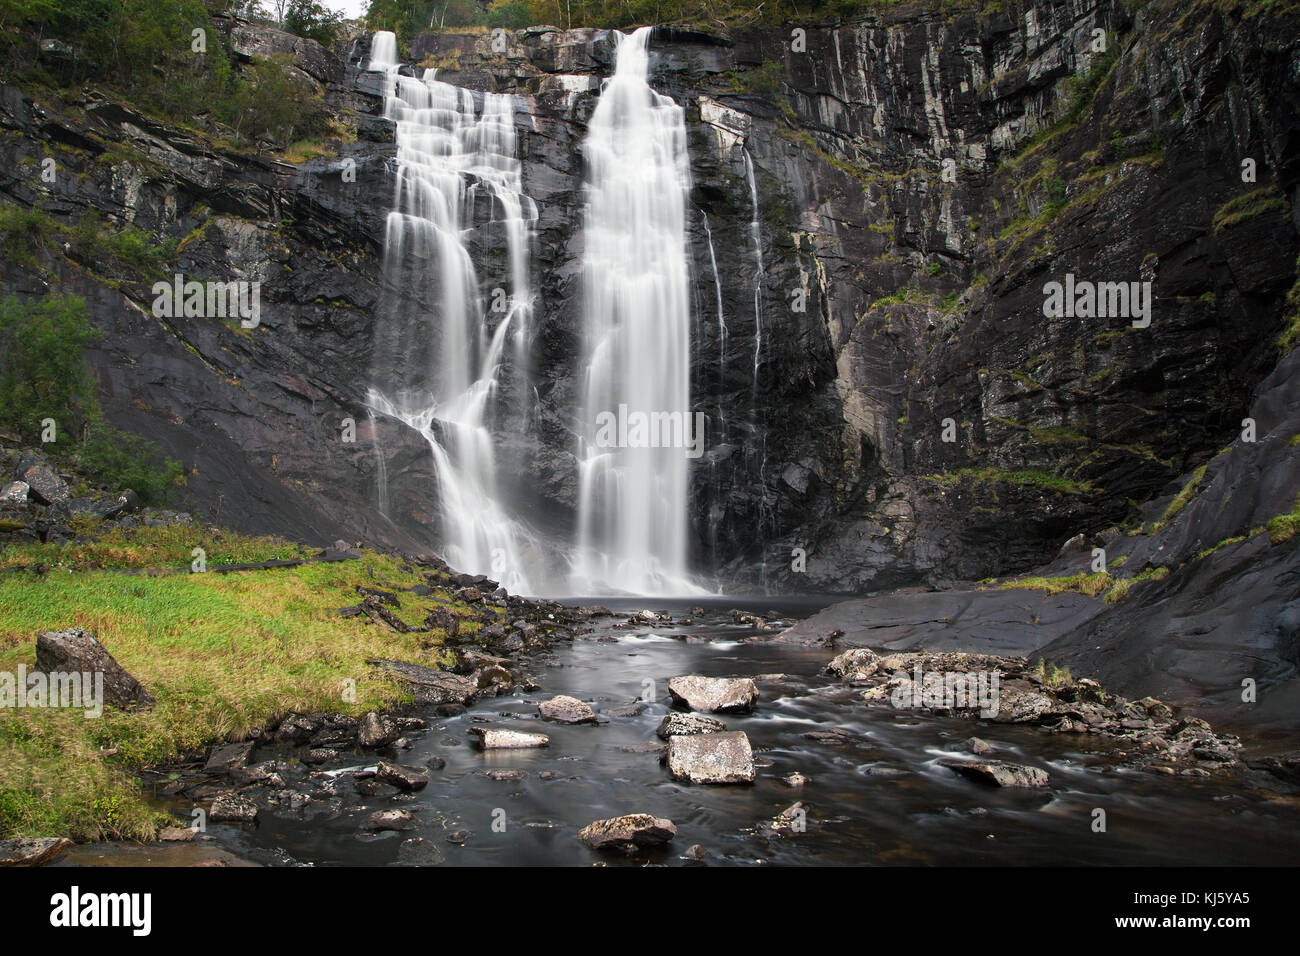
453 365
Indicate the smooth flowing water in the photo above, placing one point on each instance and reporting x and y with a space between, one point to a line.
878 797
444 331
633 505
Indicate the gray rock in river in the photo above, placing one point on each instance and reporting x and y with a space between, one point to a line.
566 710
231 807
492 738
997 773
628 832
715 695
686 725
390 820
375 730
711 758
855 664
403 778
31 852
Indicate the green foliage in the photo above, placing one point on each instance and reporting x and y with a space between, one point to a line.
277 105
43 374
306 18
25 231
1249 205
43 371
117 459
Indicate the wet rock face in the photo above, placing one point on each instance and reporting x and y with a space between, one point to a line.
891 297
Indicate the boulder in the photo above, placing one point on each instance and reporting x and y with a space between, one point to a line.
711 758
15 492
859 663
390 820
716 695
492 738
31 852
628 832
44 485
685 725
997 773
232 807
376 730
403 778
566 710
227 758
77 650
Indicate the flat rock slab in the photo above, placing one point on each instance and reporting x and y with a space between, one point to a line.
711 758
714 695
998 774
227 758
990 622
430 686
77 650
566 710
493 738
628 832
33 852
686 725
409 779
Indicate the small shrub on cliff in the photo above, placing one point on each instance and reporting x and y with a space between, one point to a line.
120 460
43 371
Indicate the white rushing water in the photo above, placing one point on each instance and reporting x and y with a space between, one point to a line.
633 501
457 172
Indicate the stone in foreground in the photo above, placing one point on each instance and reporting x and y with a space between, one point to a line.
34 852
76 650
998 774
686 725
714 695
711 758
627 833
566 710
490 738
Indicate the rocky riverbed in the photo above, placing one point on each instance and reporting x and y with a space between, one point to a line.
596 750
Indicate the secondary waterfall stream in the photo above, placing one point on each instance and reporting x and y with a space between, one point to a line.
442 338
633 497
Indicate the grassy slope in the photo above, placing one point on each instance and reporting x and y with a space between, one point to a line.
221 653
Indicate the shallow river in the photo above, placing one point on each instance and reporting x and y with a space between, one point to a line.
880 798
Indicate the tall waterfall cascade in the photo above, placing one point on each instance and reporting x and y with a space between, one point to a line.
444 333
633 498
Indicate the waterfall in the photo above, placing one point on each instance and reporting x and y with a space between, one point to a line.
383 51
759 431
633 499
441 338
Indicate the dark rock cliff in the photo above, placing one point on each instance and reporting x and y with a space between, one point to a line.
919 178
